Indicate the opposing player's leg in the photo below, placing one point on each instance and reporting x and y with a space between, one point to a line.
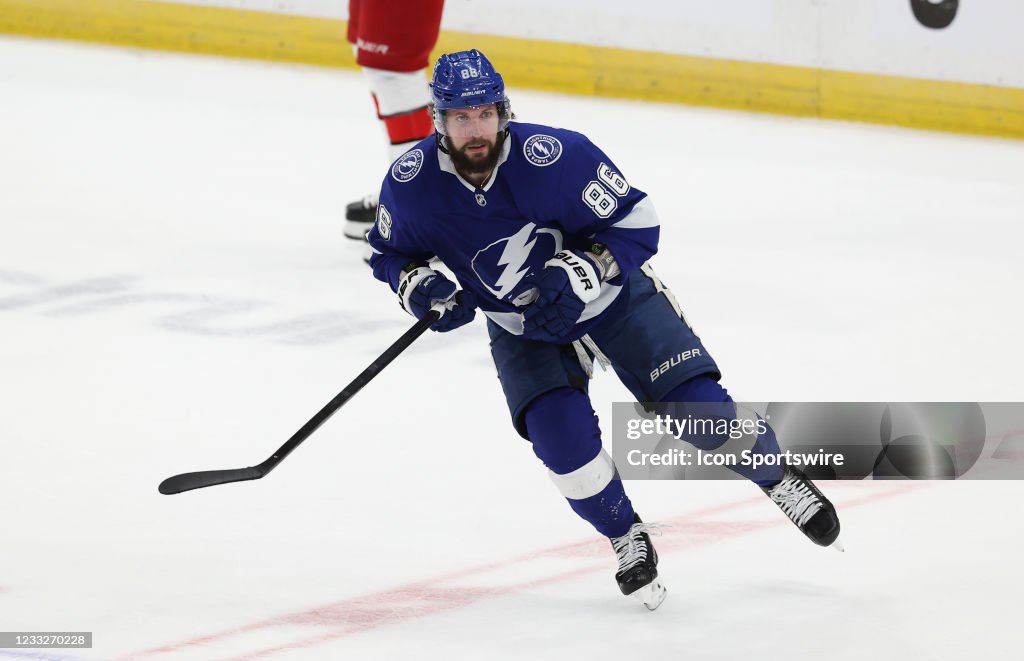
392 44
659 358
400 100
545 387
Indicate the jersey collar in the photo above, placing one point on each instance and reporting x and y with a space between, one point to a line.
444 161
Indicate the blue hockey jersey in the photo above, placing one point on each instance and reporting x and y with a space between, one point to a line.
552 189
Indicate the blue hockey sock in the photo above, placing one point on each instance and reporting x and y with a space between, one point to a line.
610 511
565 435
716 403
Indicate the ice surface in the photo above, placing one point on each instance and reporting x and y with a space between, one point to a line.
176 294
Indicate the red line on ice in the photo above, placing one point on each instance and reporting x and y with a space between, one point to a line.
430 597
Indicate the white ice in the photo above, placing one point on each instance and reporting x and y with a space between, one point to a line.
176 295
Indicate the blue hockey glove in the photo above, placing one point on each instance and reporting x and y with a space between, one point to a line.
422 287
564 286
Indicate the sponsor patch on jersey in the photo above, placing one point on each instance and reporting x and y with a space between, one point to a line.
542 149
408 165
384 222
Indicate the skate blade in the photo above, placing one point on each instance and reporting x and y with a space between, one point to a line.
837 545
652 594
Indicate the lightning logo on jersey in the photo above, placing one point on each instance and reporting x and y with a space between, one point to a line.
408 165
502 265
542 149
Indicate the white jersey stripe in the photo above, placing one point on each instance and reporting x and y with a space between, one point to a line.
642 216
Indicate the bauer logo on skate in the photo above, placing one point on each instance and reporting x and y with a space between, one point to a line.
542 149
408 165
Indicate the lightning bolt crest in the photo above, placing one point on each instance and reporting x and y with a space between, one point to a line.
516 252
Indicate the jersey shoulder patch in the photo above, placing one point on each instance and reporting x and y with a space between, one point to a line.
408 165
542 149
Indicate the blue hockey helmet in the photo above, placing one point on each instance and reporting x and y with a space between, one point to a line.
467 79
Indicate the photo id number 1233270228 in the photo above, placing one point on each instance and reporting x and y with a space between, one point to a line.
45 639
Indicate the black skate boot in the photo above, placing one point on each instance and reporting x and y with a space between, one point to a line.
638 565
359 217
807 507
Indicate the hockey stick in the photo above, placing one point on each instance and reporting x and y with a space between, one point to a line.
198 480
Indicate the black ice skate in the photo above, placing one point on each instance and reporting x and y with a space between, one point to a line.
638 565
807 507
359 217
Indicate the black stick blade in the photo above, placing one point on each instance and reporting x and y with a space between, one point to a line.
189 481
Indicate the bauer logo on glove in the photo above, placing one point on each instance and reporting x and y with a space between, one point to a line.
564 286
582 276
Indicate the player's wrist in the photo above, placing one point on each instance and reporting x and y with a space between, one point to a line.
603 260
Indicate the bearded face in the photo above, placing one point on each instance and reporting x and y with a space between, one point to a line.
474 145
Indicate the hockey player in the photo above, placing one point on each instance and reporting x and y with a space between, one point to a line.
550 241
392 41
